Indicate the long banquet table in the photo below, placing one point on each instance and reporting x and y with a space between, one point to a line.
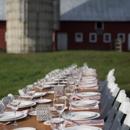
31 121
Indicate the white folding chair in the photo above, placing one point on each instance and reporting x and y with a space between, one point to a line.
126 123
119 100
123 109
110 100
102 84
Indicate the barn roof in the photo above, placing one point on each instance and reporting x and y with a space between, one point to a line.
2 10
95 10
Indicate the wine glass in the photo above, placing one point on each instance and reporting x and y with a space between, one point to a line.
68 92
59 104
57 123
14 104
31 93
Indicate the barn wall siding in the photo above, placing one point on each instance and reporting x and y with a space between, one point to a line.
86 28
2 35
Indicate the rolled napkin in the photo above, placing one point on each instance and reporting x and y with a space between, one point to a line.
87 98
97 122
92 107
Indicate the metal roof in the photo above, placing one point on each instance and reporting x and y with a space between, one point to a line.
95 10
2 10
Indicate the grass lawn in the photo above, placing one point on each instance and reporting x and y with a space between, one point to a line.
19 70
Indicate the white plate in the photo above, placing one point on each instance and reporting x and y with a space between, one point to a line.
51 92
48 86
43 100
39 94
81 115
25 104
25 96
88 94
46 122
88 85
9 116
84 103
25 128
83 127
32 113
53 108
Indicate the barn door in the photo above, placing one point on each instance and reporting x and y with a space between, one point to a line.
62 41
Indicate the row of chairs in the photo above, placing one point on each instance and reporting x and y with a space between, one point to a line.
114 104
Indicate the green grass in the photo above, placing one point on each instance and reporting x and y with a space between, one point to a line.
19 70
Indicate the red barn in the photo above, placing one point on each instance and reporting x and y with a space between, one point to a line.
2 25
93 25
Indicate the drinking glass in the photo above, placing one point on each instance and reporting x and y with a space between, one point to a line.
31 93
58 91
68 92
59 104
57 123
14 104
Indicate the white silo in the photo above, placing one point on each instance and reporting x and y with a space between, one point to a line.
29 26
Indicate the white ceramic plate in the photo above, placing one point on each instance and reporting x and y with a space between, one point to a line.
43 100
88 94
81 115
9 116
25 128
53 108
51 92
39 94
84 103
83 127
25 96
25 104
48 86
32 113
88 85
46 122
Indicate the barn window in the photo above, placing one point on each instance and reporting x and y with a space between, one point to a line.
79 37
93 37
121 36
107 37
99 25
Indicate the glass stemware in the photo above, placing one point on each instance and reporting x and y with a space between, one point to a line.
31 93
14 104
59 104
57 123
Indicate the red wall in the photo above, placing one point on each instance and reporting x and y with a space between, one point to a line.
2 35
89 27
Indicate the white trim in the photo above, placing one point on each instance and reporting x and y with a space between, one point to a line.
104 35
90 40
77 39
97 28
123 34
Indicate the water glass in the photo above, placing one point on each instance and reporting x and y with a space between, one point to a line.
58 90
14 104
59 104
57 123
